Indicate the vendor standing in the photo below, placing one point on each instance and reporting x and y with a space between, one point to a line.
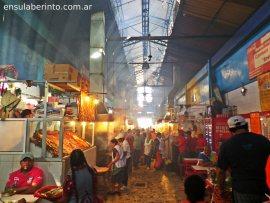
244 155
27 179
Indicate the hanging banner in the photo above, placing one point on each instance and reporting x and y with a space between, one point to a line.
258 54
264 88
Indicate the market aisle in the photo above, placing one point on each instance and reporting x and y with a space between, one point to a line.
151 186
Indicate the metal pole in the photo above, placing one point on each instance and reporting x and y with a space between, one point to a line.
27 146
93 134
61 140
44 130
210 81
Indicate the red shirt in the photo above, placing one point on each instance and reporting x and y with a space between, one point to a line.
18 179
201 143
130 140
181 144
267 170
191 144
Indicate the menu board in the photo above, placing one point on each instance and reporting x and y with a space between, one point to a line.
13 135
264 89
258 55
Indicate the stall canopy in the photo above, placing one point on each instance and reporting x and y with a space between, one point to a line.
209 23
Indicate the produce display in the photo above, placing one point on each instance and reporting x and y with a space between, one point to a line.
101 170
49 192
71 142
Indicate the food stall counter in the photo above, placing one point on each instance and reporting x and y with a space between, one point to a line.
15 198
202 168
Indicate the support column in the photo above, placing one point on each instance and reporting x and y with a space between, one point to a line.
97 48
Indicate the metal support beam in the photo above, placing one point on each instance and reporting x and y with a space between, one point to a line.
130 26
168 15
145 25
172 37
122 4
154 86
160 42
215 16
129 43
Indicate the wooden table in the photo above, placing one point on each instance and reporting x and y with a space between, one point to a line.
16 198
103 174
202 168
101 170
191 160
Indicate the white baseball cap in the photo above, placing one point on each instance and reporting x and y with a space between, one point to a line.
236 121
119 136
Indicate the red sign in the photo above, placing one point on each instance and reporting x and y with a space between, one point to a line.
220 131
264 88
255 123
258 54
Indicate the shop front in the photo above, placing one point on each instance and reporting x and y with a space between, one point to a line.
56 125
243 78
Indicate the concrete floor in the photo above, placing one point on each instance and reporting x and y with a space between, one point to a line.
160 187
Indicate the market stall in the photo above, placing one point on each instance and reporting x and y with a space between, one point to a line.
56 128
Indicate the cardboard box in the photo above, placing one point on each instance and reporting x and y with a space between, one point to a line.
67 68
59 72
49 68
63 68
59 77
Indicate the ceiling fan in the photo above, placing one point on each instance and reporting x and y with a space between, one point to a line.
144 90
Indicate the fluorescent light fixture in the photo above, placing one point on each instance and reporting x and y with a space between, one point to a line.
96 55
149 112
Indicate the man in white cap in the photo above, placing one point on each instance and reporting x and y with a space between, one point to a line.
127 153
27 179
244 155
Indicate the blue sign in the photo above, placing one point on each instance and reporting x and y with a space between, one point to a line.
233 73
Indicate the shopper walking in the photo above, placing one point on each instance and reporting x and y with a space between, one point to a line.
182 152
201 143
117 164
138 142
175 153
126 149
158 149
191 144
245 155
147 150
